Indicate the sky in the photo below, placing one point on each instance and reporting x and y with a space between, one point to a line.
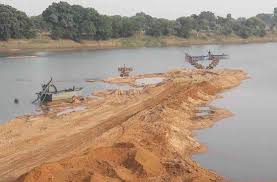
170 9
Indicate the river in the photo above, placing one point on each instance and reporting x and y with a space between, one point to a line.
240 148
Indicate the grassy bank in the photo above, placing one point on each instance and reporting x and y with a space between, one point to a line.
45 43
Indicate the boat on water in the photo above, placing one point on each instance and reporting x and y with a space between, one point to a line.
51 93
213 58
125 71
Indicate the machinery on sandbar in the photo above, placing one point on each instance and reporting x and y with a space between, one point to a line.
50 93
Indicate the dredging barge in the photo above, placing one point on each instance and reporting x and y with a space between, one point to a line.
50 93
125 71
193 60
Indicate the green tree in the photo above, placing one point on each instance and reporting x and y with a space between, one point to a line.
39 23
144 21
183 26
125 26
76 22
60 17
257 26
225 25
160 27
154 28
240 28
206 21
139 23
14 24
85 20
116 26
104 28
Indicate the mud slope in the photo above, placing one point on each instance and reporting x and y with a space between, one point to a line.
135 135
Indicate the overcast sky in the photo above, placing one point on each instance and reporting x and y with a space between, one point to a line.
170 9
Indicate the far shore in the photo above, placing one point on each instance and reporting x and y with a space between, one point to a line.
45 43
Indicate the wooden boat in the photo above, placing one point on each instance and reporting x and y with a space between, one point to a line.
50 93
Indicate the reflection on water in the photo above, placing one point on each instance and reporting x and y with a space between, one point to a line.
240 148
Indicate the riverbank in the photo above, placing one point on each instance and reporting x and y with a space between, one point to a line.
45 43
144 134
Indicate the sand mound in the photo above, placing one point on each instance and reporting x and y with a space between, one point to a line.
120 162
144 136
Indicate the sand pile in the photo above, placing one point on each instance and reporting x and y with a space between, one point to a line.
146 136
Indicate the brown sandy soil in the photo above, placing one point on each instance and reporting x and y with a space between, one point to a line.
45 43
144 135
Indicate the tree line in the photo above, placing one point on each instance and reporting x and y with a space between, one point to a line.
64 21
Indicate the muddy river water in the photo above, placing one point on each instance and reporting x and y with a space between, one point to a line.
240 148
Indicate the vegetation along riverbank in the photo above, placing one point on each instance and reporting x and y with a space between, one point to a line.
45 43
65 26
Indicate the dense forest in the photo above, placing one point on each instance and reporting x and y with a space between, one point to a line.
64 21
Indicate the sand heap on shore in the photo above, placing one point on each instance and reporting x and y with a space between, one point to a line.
142 136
